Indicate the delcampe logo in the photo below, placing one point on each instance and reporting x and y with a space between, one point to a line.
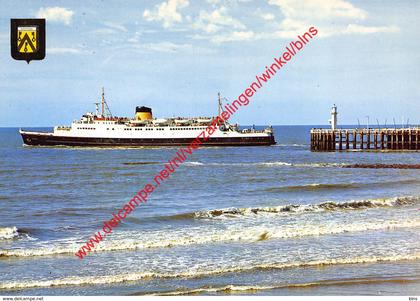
27 39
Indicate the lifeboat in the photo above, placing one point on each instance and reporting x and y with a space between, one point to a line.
160 121
203 120
182 121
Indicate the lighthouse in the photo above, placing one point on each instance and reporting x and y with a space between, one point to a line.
333 120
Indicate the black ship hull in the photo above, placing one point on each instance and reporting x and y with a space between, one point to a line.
46 139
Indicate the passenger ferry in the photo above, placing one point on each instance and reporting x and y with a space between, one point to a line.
103 129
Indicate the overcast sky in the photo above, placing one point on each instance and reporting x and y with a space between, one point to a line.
175 55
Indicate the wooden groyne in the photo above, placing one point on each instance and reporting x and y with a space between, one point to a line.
365 139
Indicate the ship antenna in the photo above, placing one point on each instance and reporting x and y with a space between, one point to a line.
97 108
103 102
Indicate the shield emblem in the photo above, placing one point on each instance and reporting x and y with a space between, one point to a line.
27 39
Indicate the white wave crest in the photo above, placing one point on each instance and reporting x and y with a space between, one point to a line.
326 206
195 273
209 236
8 233
271 163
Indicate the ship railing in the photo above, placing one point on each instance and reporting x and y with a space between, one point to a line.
62 128
268 130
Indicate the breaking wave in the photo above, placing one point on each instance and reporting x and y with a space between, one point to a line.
326 206
194 273
209 236
252 288
8 233
273 163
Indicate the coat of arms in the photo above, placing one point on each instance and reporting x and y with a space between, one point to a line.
27 39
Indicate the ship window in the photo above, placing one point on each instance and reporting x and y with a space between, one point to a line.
112 128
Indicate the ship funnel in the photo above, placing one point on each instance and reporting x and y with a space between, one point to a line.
143 113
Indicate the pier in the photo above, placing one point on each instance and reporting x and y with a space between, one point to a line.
327 140
393 139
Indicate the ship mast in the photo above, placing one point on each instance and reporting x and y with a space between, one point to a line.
220 104
106 112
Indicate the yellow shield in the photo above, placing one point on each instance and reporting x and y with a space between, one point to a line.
27 39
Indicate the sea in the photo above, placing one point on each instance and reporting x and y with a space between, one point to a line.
275 220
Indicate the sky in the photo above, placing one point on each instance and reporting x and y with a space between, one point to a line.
176 55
